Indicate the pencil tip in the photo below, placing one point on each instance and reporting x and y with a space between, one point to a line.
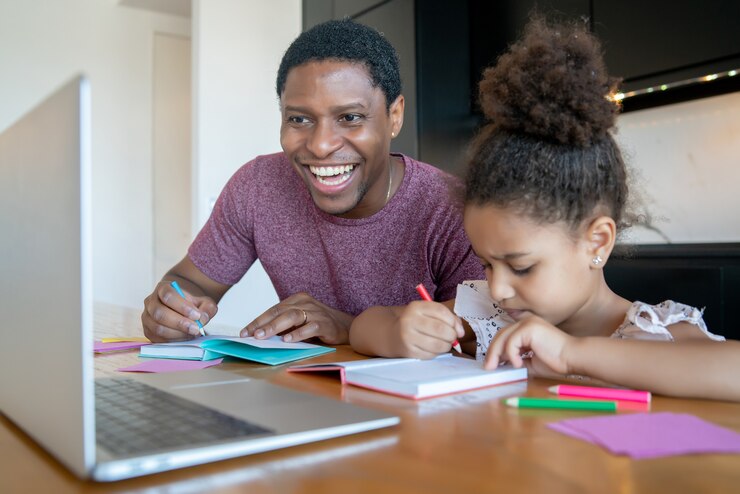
553 389
512 402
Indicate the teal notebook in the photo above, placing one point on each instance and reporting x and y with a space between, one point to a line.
272 351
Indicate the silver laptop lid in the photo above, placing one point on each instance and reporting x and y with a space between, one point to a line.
46 362
46 367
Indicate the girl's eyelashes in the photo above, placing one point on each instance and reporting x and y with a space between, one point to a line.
521 272
517 271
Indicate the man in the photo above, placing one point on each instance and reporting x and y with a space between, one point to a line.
339 223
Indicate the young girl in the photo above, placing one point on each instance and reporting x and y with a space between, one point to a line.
545 196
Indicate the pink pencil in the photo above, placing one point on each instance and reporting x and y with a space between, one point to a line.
602 393
424 294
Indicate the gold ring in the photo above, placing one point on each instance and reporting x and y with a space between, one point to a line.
305 317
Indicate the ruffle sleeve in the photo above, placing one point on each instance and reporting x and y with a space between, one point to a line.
649 322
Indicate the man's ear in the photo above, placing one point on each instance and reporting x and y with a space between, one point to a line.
395 112
601 235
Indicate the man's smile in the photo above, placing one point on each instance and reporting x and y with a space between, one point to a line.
332 175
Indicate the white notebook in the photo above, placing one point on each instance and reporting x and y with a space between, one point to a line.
418 379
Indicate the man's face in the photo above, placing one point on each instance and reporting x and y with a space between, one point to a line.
336 133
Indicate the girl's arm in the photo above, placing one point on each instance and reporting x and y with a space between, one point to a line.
417 330
690 368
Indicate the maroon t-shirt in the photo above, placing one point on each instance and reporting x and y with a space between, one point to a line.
265 211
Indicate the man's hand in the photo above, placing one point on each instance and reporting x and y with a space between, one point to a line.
168 316
300 317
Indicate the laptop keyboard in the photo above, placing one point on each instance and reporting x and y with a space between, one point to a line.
132 417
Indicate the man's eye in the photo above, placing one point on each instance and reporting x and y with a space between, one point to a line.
297 120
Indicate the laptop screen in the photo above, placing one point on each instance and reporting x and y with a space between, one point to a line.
46 367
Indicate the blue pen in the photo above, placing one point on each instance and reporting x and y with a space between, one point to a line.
177 288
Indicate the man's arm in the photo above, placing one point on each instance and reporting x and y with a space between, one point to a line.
168 316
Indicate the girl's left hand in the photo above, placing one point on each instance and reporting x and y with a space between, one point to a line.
547 343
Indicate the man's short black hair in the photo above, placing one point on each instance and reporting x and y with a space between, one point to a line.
346 40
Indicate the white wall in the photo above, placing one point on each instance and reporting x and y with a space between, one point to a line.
687 159
45 43
237 47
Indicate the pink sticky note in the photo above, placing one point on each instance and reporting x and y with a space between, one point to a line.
100 347
170 365
652 435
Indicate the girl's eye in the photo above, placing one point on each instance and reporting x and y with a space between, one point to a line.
351 118
521 272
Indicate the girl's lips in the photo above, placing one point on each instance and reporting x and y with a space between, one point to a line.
515 314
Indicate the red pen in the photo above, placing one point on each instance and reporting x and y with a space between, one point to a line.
425 296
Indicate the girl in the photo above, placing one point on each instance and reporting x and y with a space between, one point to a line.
545 195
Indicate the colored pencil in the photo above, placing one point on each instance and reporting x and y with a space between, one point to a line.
424 294
589 405
601 393
179 291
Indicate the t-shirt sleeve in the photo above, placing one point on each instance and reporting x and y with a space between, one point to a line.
453 259
224 248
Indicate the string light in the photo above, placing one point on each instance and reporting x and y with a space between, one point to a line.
618 97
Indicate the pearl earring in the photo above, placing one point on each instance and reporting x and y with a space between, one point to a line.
393 134
597 260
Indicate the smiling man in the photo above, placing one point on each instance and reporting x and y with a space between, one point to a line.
339 223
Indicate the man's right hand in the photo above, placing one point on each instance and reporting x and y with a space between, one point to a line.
168 316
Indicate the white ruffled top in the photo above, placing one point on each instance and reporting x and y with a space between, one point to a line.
642 321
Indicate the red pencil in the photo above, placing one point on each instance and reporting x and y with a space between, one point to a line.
425 296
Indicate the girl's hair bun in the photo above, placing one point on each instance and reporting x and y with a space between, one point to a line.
552 84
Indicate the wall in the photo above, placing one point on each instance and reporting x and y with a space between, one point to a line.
686 159
237 47
45 43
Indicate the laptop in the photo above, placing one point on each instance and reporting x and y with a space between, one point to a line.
47 382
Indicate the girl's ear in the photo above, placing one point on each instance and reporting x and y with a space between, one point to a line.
601 235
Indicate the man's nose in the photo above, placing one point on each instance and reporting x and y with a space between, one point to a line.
324 140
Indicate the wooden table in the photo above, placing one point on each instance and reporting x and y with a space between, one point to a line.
468 442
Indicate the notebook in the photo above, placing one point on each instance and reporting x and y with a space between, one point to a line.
106 429
418 379
271 351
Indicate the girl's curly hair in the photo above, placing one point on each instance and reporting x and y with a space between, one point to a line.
547 149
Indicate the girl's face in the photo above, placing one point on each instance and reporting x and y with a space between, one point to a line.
531 268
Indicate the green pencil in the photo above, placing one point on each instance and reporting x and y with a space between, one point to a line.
597 406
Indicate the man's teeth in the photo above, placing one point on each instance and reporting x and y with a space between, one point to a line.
336 174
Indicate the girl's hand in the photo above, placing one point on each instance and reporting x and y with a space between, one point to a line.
548 344
425 329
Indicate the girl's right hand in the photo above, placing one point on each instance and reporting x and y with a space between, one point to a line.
426 329
549 347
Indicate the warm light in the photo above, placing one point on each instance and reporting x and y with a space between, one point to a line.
674 84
